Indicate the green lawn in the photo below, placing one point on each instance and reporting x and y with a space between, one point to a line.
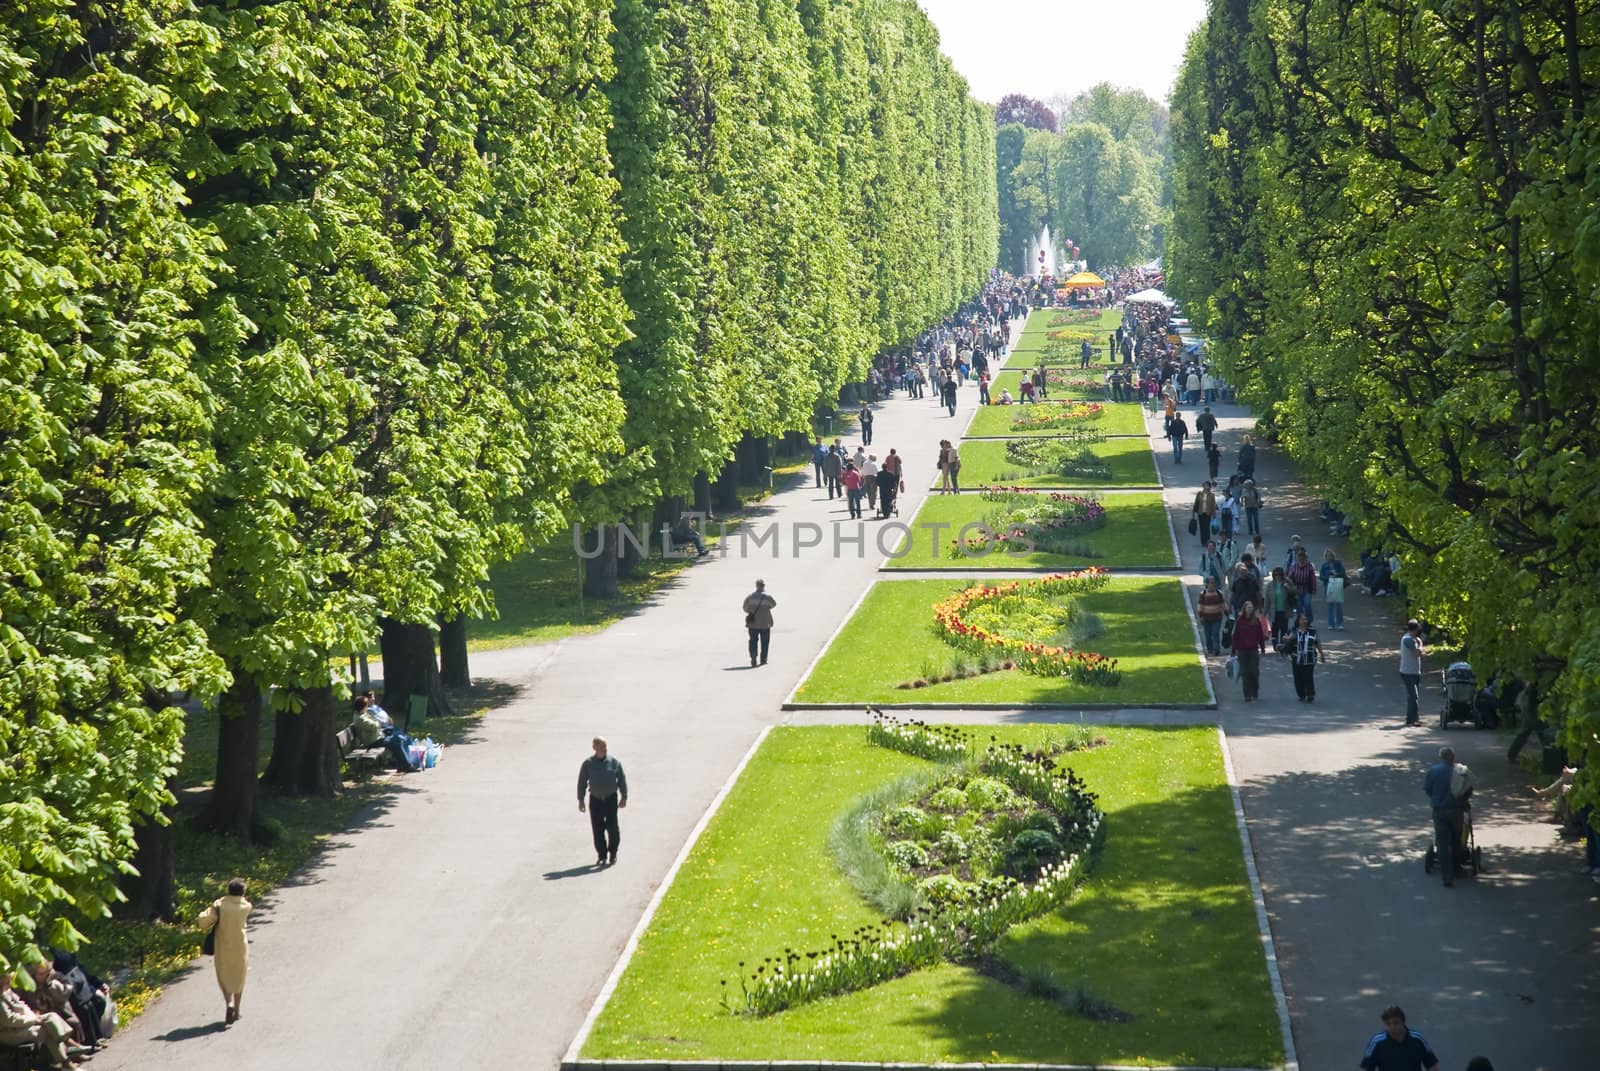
997 420
1163 928
890 638
984 462
1136 535
1036 336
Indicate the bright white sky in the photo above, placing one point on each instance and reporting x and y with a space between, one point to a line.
1056 48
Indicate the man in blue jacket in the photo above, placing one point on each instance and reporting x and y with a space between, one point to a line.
1447 812
1397 1048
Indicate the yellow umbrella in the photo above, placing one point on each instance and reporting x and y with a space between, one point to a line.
1083 278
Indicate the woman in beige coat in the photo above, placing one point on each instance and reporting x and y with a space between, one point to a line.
232 957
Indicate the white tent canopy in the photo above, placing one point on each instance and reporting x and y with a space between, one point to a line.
1149 297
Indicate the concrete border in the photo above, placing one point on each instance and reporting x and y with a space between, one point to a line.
1291 1061
632 946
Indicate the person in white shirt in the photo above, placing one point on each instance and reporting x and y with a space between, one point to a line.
869 478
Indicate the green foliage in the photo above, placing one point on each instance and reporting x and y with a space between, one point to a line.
1394 248
103 446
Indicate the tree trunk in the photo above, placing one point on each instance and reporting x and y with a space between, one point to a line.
848 396
233 808
150 892
410 668
633 542
600 571
728 488
288 738
702 493
453 669
305 751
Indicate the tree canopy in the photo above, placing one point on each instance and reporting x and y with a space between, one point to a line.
1390 246
1100 180
1031 113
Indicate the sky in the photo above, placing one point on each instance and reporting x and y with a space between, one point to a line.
1058 48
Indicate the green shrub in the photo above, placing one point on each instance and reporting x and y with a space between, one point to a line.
948 798
1030 851
906 854
989 794
950 848
942 889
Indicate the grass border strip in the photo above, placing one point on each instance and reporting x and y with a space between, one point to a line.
1291 1059
836 1065
570 1059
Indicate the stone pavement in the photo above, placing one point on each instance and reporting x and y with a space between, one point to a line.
461 922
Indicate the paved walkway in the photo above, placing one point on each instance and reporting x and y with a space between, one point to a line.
461 923
1507 965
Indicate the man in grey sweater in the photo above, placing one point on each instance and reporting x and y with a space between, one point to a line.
606 786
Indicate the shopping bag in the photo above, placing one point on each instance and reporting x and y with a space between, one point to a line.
1194 525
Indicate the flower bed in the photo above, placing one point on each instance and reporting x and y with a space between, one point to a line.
1030 827
970 620
1065 455
1050 416
1044 521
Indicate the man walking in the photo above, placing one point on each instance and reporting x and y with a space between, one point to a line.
1086 354
1206 425
1205 508
601 779
758 621
865 417
1411 652
1396 1048
1439 784
832 469
1177 431
949 392
819 454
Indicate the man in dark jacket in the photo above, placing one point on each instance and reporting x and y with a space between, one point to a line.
832 469
601 779
1206 425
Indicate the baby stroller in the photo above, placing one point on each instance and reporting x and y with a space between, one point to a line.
1468 856
1460 696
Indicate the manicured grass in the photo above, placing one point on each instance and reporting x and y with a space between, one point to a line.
984 461
996 420
1036 336
1012 380
890 638
1136 535
1163 928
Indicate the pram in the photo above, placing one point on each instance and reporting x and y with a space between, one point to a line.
1460 696
1468 856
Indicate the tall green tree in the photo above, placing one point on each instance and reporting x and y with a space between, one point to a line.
103 448
1391 245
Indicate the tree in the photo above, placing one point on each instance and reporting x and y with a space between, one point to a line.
1390 246
1017 108
103 448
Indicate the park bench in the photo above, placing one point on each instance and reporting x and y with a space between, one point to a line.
23 1056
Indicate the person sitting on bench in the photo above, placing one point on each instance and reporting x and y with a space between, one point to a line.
21 1025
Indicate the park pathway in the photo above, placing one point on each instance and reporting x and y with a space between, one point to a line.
461 923
1507 965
